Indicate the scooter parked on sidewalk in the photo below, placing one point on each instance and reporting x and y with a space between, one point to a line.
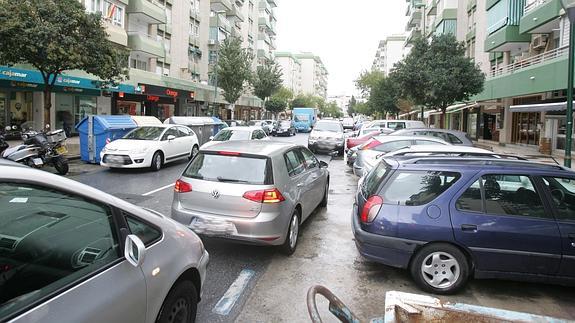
39 149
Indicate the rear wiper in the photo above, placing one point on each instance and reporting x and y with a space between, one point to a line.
230 180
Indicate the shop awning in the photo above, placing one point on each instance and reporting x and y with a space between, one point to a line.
539 107
465 106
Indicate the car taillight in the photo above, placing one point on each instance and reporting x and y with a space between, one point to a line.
265 196
370 145
371 208
182 187
228 153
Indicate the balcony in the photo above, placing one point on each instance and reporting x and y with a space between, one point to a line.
167 28
236 32
194 40
116 34
220 5
540 17
273 3
221 22
506 39
414 18
542 73
446 14
264 54
236 13
195 15
264 21
265 5
147 11
471 4
432 8
141 42
412 36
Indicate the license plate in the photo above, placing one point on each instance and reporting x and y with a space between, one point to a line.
61 150
115 160
213 227
37 161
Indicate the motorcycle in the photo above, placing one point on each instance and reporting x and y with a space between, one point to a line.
39 149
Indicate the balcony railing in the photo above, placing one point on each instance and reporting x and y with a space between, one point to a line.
529 6
533 60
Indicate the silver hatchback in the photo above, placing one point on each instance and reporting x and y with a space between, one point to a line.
71 253
251 191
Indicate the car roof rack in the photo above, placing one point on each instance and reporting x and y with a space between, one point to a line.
480 161
414 154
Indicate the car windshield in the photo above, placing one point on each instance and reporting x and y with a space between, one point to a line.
229 169
232 134
328 126
145 133
301 117
285 124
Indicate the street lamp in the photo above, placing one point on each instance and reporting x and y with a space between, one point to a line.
569 7
217 13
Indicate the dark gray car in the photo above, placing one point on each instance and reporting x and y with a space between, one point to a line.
71 253
251 191
454 137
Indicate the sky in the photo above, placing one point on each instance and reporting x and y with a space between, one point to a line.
345 34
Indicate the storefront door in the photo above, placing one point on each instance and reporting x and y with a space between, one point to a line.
526 128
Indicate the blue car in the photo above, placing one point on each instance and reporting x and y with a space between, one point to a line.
447 219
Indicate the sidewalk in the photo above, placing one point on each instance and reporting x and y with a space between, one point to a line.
520 150
72 144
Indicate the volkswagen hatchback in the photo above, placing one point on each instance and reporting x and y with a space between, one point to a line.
251 191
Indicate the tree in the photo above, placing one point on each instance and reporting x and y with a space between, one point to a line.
284 94
233 69
58 35
331 110
384 97
367 80
304 100
267 79
275 105
351 106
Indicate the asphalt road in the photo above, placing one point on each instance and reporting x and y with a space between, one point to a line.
154 190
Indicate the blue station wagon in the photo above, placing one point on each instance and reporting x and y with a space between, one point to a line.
447 219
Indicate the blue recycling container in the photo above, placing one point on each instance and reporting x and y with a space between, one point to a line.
218 125
97 130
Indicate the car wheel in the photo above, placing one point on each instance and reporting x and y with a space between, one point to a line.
325 195
61 165
157 161
194 152
440 268
290 243
180 305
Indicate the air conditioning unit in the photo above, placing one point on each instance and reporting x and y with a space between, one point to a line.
539 42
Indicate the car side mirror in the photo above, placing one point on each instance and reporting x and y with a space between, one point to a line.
323 164
171 137
134 250
211 138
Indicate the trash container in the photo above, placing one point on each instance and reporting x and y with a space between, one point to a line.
203 127
146 121
97 130
218 125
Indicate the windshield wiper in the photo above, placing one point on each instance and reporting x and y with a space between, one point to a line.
230 180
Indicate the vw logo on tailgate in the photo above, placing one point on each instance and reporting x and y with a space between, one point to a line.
215 194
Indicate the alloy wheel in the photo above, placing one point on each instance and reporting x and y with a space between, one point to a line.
294 230
440 270
179 312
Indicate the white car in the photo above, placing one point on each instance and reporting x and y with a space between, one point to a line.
237 133
150 146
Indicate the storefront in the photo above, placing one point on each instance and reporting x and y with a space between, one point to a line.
492 121
71 109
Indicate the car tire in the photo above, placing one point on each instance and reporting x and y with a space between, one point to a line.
157 161
290 243
194 152
61 165
325 195
180 305
443 263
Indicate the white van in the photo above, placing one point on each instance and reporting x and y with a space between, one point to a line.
395 124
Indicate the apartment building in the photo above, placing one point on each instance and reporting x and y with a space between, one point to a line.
389 52
522 47
291 71
173 49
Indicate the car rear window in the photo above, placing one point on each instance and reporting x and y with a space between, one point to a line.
230 169
228 134
374 178
415 188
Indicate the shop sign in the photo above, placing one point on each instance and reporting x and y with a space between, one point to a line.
165 92
24 85
153 98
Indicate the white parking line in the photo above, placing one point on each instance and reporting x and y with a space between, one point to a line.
157 190
227 302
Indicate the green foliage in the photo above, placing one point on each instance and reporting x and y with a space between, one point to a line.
267 79
284 94
58 35
351 106
275 105
330 110
234 68
304 101
367 80
384 97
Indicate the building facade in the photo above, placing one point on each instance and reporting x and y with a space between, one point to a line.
342 102
389 52
173 49
303 73
291 71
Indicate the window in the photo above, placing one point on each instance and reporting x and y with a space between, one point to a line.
393 145
294 163
138 64
310 160
49 240
396 125
563 196
184 132
453 139
418 188
426 142
94 5
146 232
374 178
170 132
230 169
471 200
113 13
511 195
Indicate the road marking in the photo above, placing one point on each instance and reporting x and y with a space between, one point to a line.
227 302
157 190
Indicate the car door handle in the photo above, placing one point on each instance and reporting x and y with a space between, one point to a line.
468 228
299 185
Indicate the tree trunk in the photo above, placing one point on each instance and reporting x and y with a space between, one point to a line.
443 119
47 104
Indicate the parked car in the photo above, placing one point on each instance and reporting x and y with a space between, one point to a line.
262 124
235 123
71 253
355 141
366 157
394 124
251 191
447 219
284 127
453 137
237 133
447 150
347 123
327 136
150 146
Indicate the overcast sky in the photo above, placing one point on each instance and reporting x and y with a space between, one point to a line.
345 34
